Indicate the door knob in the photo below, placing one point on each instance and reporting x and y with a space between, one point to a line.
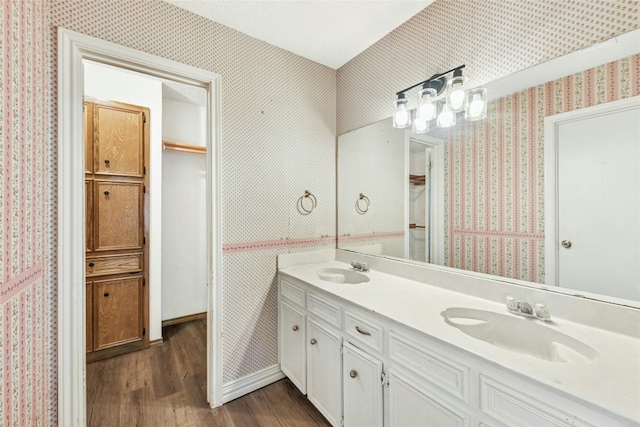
566 244
353 374
313 341
295 327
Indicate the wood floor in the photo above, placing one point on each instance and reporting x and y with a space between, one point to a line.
166 385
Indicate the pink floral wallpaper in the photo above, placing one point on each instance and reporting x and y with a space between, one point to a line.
495 171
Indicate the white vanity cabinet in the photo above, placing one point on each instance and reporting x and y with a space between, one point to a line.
363 369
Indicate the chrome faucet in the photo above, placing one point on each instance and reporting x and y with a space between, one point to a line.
359 266
523 308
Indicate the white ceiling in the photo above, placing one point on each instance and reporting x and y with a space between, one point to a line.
330 32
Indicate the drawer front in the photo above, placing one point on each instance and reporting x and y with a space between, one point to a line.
292 293
362 330
450 376
113 264
512 407
324 309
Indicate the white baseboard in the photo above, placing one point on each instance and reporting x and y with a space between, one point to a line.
252 382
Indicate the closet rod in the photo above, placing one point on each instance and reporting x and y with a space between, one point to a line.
187 148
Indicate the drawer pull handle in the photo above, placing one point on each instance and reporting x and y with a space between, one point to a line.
362 332
91 264
295 327
313 341
353 374
106 162
106 193
106 294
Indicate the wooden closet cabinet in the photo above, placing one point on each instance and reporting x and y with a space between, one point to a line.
116 165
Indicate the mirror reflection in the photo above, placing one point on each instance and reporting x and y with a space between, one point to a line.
545 189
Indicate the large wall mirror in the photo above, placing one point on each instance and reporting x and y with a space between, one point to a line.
545 190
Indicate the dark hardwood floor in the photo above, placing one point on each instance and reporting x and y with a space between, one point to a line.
166 385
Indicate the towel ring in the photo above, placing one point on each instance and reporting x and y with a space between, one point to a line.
314 203
364 207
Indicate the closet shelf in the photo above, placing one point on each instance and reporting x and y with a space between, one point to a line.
417 179
187 148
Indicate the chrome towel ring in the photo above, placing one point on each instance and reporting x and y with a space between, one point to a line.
301 201
362 208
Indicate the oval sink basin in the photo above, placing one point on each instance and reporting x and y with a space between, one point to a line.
342 275
522 335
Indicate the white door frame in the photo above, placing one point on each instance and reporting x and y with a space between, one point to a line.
73 48
551 125
437 194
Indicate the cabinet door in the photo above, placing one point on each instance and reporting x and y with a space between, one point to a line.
292 346
89 316
410 404
117 307
324 371
118 140
118 215
362 381
88 214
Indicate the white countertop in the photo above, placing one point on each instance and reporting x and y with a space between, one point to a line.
611 382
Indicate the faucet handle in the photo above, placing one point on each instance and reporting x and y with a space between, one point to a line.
512 303
364 266
542 312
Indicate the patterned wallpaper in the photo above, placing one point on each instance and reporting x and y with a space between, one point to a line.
492 38
278 139
27 305
494 171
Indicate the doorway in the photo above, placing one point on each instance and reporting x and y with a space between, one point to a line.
592 199
73 48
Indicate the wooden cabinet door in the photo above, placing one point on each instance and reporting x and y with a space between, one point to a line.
89 315
324 371
87 109
362 380
118 137
293 355
118 215
117 307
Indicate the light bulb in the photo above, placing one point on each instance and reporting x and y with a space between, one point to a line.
427 111
401 117
426 108
476 106
446 117
420 126
457 98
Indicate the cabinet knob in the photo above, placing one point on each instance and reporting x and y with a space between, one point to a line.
91 264
295 327
106 161
106 193
353 374
566 244
106 294
313 341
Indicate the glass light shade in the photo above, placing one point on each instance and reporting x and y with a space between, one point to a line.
446 117
420 126
456 92
402 116
476 105
426 104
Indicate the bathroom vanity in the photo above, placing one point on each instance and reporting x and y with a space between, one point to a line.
415 345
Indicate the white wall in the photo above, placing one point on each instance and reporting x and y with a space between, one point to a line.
184 243
113 84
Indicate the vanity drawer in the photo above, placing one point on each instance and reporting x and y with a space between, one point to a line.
113 264
325 309
512 407
363 330
440 370
294 294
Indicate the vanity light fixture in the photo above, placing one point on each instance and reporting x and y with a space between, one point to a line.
440 99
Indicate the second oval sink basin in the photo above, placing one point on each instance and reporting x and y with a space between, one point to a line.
342 275
521 335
